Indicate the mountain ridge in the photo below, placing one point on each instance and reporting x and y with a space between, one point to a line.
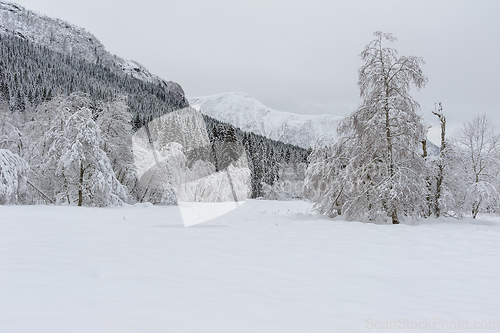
67 38
246 112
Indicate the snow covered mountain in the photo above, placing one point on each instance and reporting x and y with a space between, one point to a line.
64 37
244 111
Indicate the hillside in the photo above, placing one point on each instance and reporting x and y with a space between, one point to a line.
66 38
43 58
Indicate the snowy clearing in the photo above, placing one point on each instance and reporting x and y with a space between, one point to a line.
265 267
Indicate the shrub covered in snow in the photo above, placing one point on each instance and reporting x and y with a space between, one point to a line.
13 172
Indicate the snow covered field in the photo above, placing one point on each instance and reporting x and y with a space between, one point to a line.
265 267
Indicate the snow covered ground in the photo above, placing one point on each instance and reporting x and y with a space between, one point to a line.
264 267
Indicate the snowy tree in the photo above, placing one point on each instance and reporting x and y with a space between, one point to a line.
481 165
11 131
13 174
435 172
84 166
227 152
326 179
47 129
114 120
381 141
440 163
444 175
71 164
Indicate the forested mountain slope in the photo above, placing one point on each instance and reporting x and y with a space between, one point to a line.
69 39
33 74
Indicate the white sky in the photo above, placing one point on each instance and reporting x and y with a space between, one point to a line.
302 56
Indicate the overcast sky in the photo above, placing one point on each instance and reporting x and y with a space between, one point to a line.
302 56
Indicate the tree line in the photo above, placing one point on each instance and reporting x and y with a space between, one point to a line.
380 169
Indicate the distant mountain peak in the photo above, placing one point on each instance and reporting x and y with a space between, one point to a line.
244 111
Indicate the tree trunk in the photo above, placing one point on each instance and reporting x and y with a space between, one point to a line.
428 197
235 198
395 219
475 210
46 197
80 185
440 175
394 213
424 148
214 153
439 186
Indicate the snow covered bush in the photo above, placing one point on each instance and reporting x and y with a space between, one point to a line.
13 174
